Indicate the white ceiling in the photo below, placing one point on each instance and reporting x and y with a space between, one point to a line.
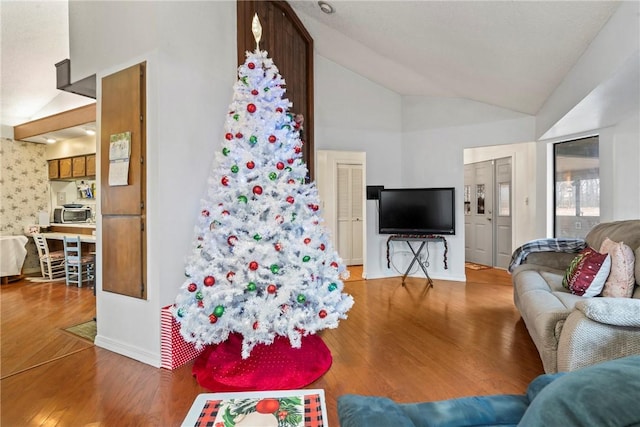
510 54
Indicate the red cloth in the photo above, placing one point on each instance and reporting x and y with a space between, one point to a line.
269 367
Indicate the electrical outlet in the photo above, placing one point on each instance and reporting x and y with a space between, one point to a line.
62 197
578 225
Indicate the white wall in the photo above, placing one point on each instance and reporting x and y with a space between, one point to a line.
434 157
190 49
355 114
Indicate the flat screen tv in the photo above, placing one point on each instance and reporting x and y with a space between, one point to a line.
419 211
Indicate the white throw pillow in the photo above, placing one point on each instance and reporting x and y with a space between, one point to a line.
621 279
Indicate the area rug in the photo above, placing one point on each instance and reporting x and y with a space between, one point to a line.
474 266
87 330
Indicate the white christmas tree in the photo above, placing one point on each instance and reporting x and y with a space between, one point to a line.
262 265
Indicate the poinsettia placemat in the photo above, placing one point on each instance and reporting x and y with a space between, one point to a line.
282 408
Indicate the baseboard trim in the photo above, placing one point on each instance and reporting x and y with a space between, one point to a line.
127 350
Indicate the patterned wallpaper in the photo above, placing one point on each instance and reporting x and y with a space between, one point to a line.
24 191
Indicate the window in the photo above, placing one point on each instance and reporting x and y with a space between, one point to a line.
577 187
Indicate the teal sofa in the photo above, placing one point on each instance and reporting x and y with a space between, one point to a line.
603 395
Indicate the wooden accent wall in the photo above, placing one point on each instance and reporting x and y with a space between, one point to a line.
123 207
291 47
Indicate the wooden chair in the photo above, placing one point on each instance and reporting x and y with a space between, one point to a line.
79 268
51 263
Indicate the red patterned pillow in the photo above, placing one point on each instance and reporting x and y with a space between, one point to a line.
587 273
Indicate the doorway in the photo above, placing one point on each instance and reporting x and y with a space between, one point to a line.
340 177
487 212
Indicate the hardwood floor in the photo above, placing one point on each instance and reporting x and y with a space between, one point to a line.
408 343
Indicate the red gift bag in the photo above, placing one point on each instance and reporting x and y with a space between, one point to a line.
174 350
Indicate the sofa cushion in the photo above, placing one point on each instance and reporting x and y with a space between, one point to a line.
621 279
587 273
605 394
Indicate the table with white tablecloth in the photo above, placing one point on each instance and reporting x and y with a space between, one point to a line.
12 255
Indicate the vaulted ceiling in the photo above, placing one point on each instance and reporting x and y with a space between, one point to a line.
510 54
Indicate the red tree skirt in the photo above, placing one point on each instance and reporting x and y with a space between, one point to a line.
269 367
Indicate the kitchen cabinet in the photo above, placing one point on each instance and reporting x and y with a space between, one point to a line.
73 167
91 165
54 169
79 166
65 168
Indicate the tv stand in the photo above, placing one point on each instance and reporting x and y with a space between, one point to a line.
408 238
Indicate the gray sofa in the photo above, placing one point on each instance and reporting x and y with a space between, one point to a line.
571 331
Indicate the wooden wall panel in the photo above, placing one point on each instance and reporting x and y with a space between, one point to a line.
121 112
123 236
291 48
123 255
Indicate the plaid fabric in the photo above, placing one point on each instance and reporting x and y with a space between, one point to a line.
208 415
545 245
313 411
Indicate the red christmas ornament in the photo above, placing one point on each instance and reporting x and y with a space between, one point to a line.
225 212
205 212
322 246
277 246
251 108
213 318
250 164
200 304
209 281
278 110
290 161
307 241
334 264
322 314
257 190
192 287
298 149
313 206
239 135
253 265
229 136
225 181
280 165
251 65
279 219
255 325
271 289
254 92
291 181
290 199
272 138
231 240
230 276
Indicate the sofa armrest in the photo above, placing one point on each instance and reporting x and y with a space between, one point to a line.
584 341
612 311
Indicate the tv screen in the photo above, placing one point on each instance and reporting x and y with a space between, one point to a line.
418 211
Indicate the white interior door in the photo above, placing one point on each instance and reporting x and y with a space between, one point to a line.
481 216
350 212
503 212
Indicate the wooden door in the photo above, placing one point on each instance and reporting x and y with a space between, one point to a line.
53 169
290 46
91 165
123 236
